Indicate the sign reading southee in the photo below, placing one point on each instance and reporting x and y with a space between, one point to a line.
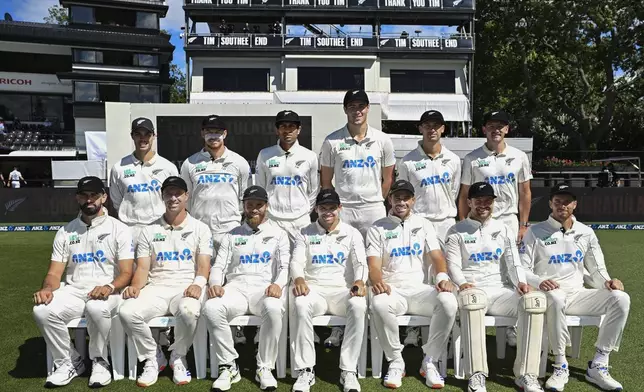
433 5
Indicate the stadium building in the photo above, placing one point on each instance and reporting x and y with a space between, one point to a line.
312 51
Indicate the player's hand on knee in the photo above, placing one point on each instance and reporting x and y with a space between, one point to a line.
193 291
445 286
358 289
614 284
465 286
548 285
131 292
215 292
523 288
43 297
100 292
274 291
300 289
381 288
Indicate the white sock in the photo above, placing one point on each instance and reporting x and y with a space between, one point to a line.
601 357
560 360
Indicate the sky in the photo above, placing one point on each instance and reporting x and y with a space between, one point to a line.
36 10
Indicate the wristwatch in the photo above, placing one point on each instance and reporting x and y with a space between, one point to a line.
524 224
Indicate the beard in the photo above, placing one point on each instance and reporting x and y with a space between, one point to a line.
90 209
255 220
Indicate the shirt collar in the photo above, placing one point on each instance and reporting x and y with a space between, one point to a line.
222 158
478 224
262 226
422 152
96 221
151 162
490 152
180 226
322 230
292 150
397 220
555 224
347 135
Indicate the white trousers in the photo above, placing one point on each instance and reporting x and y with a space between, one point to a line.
512 223
157 301
292 226
422 300
615 305
442 227
362 217
238 300
328 300
136 231
70 303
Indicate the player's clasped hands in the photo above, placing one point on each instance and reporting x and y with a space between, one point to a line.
193 291
101 292
465 286
614 284
523 288
131 292
548 285
43 297
445 286
215 292
381 288
274 291
301 288
358 289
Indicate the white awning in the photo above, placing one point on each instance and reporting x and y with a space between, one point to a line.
234 98
39 154
409 107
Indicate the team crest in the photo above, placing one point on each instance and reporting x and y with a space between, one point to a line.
340 238
299 163
368 145
508 161
414 231
445 162
101 237
578 237
184 236
496 234
156 171
266 239
225 165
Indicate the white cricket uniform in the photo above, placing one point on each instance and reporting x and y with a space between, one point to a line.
474 254
14 177
329 262
402 245
549 253
357 172
504 171
248 262
92 254
436 184
292 183
135 190
216 188
173 253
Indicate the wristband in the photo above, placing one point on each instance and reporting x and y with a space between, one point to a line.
441 276
200 281
110 285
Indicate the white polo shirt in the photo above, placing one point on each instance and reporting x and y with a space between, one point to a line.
357 166
290 179
92 252
401 245
253 259
135 188
173 250
475 252
436 181
549 253
216 188
330 259
504 171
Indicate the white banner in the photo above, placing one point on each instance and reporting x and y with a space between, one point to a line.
75 170
96 146
33 83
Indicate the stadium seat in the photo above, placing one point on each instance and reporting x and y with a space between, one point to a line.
116 345
499 322
575 326
198 346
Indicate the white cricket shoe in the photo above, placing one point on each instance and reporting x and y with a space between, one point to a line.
180 373
423 366
304 381
65 373
394 376
529 383
413 333
433 378
150 373
598 374
476 383
558 379
335 339
228 375
101 373
238 335
349 380
266 380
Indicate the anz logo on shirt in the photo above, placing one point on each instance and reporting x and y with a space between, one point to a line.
255 258
215 178
500 180
89 257
185 254
329 259
287 180
435 180
400 251
578 257
359 163
153 186
485 256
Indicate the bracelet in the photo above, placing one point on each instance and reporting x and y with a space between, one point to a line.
110 285
200 281
441 276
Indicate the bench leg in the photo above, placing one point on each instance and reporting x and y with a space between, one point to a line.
459 371
362 361
117 349
500 342
199 347
376 352
576 334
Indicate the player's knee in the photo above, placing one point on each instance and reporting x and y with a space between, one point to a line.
189 308
357 306
96 309
622 300
472 299
214 310
449 303
272 309
380 304
556 299
303 306
42 313
128 313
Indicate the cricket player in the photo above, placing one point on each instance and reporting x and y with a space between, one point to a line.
289 173
14 178
329 268
475 248
555 253
253 261
216 178
173 262
135 180
397 247
95 252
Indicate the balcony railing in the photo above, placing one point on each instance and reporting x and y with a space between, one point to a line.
447 5
454 43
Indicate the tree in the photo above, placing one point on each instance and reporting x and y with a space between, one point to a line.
178 88
57 15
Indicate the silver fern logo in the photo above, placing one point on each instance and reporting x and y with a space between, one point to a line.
11 205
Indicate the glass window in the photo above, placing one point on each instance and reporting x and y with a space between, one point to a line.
147 20
15 105
146 60
82 14
149 94
88 56
85 92
236 79
326 78
421 81
46 108
34 62
129 93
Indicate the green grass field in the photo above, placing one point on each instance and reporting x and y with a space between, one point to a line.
23 262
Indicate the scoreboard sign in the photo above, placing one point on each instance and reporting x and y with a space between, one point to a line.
376 4
237 41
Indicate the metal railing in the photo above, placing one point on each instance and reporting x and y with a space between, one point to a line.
362 4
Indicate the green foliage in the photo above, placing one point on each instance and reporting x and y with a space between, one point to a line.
178 88
57 15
